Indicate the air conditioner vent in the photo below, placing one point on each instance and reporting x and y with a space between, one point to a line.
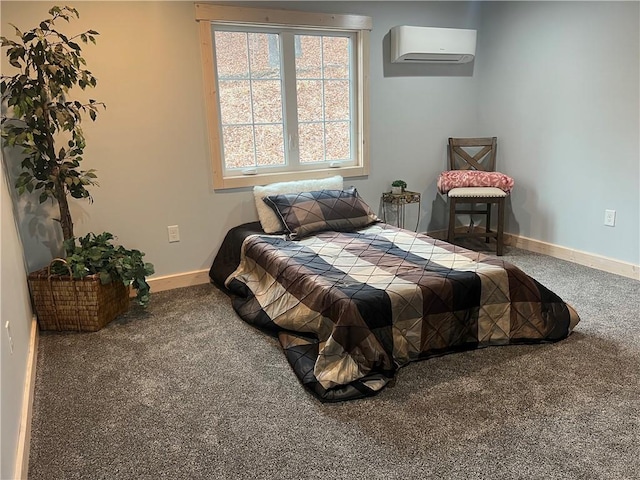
432 45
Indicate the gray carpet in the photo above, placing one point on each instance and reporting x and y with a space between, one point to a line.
187 390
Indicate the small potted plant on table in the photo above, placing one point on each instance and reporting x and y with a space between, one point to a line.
91 286
398 186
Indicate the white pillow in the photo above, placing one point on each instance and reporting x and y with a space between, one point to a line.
268 219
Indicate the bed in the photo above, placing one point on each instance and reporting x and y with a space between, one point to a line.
351 307
351 299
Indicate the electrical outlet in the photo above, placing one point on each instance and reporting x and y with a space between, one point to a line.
174 233
7 326
610 218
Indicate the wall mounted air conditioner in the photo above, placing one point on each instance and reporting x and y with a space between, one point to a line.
432 45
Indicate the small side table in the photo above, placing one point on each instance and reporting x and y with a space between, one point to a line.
400 200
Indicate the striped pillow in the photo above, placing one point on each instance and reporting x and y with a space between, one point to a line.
269 220
308 212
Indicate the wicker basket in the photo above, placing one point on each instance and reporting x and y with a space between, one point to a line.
85 305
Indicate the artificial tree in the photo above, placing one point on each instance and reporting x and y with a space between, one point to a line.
46 125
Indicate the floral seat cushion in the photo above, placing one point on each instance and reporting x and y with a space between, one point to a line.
473 178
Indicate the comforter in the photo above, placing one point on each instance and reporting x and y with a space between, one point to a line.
350 308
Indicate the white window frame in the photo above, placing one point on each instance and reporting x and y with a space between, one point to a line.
207 14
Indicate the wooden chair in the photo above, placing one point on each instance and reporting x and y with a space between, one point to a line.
475 154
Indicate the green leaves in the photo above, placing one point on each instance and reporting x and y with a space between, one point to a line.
16 55
57 12
95 254
50 65
23 182
40 119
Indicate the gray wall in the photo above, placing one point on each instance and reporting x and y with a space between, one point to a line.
15 309
150 145
559 86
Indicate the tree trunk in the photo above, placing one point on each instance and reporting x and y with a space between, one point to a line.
65 215
58 190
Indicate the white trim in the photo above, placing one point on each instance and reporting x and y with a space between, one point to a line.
178 280
24 435
358 29
606 264
611 265
263 16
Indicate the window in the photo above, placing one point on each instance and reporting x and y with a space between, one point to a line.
286 94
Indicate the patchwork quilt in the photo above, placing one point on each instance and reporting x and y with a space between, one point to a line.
350 308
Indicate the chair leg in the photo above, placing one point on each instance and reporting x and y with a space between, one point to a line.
488 226
452 219
500 233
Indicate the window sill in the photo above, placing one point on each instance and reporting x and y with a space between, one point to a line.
239 181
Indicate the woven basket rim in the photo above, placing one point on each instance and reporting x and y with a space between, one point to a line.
43 273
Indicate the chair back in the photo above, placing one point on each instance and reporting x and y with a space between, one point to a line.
473 153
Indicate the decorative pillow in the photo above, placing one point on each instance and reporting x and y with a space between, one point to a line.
308 212
473 178
268 219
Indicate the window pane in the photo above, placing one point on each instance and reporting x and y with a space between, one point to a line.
235 101
231 54
335 55
324 97
337 141
238 147
308 56
267 101
309 100
264 51
283 98
336 98
269 145
311 141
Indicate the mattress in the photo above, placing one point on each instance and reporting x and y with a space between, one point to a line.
351 308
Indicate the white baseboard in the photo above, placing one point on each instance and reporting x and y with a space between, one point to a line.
606 264
24 436
178 280
592 260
